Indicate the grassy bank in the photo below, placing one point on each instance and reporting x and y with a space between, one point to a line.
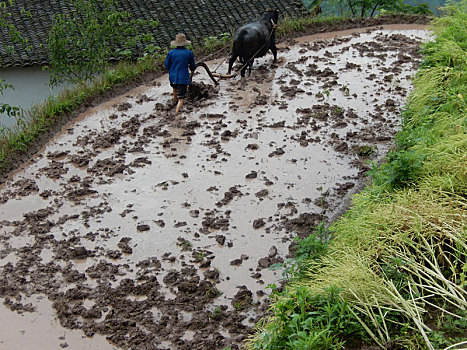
394 274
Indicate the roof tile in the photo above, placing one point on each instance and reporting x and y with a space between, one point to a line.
197 18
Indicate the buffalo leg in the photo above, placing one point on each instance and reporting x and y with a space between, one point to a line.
249 66
232 59
243 71
274 51
246 64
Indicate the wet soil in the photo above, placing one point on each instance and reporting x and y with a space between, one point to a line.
141 230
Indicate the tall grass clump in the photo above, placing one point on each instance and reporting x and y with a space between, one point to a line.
395 273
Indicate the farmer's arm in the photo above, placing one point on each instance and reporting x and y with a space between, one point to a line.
168 60
191 61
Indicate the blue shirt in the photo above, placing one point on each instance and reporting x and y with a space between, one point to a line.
177 62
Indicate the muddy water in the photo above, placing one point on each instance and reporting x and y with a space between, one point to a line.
41 330
160 232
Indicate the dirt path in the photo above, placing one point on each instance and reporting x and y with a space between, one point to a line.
158 233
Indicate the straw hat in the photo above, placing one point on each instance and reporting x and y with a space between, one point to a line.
180 40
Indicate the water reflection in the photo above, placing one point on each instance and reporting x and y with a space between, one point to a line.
31 86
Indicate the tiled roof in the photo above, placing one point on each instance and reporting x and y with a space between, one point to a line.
196 18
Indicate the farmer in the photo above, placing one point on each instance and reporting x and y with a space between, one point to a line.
177 62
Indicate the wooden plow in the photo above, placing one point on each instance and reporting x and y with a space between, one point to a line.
213 75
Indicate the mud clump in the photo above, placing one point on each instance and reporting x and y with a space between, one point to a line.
79 253
107 139
198 91
55 170
108 167
25 187
229 196
125 246
304 224
258 223
243 299
122 107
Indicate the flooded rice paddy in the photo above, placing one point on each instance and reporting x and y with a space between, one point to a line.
135 229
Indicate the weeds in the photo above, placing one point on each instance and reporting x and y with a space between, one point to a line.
184 244
239 306
366 150
306 321
315 245
345 90
199 256
401 169
310 248
216 314
449 331
213 43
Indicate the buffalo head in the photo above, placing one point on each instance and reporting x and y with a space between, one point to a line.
273 14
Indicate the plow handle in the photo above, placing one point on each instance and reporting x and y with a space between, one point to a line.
202 64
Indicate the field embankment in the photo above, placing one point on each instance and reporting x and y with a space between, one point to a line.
394 274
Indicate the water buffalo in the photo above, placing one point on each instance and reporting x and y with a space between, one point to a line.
254 40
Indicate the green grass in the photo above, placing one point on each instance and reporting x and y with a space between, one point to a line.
398 259
307 249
